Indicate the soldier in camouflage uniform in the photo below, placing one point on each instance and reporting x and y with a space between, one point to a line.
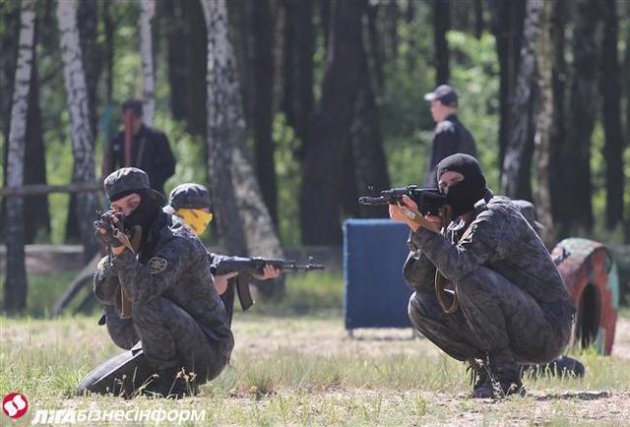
513 305
176 313
191 202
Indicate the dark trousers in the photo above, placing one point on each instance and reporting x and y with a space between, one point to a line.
495 318
170 340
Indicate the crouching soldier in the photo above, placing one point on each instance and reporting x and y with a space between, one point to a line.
513 307
160 286
191 202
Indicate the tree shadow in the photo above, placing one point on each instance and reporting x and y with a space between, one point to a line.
581 395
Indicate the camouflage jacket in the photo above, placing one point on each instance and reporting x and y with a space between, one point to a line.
498 238
172 264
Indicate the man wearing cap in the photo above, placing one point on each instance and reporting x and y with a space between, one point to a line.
191 202
450 135
150 150
513 307
179 319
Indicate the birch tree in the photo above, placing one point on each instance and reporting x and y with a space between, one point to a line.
244 222
147 11
15 288
82 140
514 161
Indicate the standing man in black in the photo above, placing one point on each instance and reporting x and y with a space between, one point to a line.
150 150
450 136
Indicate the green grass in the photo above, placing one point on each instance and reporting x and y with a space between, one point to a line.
305 293
304 370
294 364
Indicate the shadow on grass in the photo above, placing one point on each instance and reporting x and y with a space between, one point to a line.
580 395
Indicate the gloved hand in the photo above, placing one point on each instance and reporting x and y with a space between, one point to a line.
109 229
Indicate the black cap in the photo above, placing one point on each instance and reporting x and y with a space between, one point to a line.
444 93
133 105
188 196
125 181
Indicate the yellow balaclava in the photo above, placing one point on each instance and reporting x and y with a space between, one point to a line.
197 219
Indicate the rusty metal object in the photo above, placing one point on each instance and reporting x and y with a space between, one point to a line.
592 280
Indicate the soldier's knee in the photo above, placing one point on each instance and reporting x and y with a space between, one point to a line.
215 368
473 283
418 309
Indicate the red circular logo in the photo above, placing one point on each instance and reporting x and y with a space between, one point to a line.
14 405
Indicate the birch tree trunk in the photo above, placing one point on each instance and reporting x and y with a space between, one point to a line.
243 220
514 160
147 11
15 288
82 140
544 126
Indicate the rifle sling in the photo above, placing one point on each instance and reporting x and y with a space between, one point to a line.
441 282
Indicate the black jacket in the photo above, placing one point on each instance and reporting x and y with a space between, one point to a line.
150 152
450 137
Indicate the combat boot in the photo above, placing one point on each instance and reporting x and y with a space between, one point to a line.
509 382
562 366
171 383
482 388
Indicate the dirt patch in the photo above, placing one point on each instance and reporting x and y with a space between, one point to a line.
327 337
621 347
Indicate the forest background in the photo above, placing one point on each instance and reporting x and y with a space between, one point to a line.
329 96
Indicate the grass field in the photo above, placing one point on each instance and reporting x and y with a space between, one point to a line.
294 364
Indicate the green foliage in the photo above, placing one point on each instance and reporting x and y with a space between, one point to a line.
45 290
189 151
406 117
475 74
289 180
408 76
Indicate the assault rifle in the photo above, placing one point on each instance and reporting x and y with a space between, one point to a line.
255 265
246 267
429 200
110 232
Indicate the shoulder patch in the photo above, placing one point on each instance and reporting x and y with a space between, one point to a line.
157 265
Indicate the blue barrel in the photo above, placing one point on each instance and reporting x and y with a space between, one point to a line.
376 294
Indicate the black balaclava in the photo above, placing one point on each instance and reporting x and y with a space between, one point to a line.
145 213
463 195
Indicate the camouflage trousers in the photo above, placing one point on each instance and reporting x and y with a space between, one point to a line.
496 319
170 341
